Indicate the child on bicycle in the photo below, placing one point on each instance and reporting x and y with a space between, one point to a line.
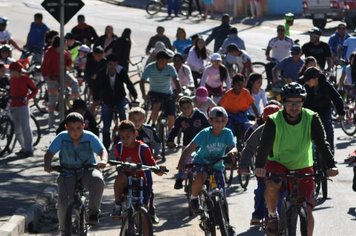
202 101
76 148
129 149
191 121
210 144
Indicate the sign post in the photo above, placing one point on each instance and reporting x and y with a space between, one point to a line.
62 11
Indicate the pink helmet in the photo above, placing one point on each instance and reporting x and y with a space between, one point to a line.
201 94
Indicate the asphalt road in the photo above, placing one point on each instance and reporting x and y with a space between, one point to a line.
22 179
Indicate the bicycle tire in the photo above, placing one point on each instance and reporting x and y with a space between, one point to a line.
41 98
324 188
7 131
138 218
75 220
36 131
220 216
184 8
228 173
260 67
348 123
207 219
303 221
243 180
283 230
292 219
161 135
152 8
188 191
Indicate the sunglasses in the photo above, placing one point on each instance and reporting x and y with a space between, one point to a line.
293 104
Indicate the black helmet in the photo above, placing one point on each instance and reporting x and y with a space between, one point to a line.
293 90
3 20
5 48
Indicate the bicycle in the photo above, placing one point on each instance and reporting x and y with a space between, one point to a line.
292 204
155 6
76 219
348 123
321 185
214 205
136 220
136 74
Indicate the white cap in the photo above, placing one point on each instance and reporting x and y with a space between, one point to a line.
215 57
84 48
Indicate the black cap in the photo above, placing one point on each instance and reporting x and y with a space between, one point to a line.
311 72
69 36
98 49
315 30
296 48
163 55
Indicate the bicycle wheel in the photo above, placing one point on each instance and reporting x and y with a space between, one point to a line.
348 122
161 129
75 220
184 8
243 180
207 216
188 190
292 219
41 98
221 219
324 188
282 218
152 8
228 171
260 67
36 130
139 224
6 134
303 222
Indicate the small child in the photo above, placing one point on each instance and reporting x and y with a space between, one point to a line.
129 149
202 101
81 60
254 84
76 148
20 85
191 121
210 143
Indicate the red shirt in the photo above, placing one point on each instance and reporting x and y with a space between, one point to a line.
50 64
139 154
19 90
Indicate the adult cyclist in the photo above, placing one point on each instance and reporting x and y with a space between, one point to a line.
286 145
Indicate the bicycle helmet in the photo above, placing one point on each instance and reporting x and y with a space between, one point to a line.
293 90
3 20
5 48
84 48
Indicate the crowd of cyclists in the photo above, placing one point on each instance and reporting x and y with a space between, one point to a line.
229 101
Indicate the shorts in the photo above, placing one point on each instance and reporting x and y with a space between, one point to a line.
168 104
306 185
218 175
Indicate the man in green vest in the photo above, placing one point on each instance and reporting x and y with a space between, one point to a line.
286 145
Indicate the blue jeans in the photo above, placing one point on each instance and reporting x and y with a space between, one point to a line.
107 112
173 5
239 124
328 127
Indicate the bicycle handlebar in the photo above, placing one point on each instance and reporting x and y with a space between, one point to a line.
136 63
61 169
296 175
137 166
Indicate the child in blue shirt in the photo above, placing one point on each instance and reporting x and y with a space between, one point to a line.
210 144
76 149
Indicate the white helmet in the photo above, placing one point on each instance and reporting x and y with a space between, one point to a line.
84 48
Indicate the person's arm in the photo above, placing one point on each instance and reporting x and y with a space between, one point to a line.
149 46
336 99
319 138
31 85
211 37
255 110
177 84
342 79
275 71
204 77
47 161
188 150
266 143
129 84
13 43
103 159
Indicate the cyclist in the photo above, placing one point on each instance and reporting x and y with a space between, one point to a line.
220 32
5 54
160 75
129 149
72 45
318 49
160 36
289 21
240 58
202 101
112 79
181 41
286 143
36 38
289 67
76 149
20 85
236 102
214 77
83 32
232 38
277 49
254 84
106 40
81 60
5 35
185 76
210 144
336 42
347 80
320 97
159 46
191 121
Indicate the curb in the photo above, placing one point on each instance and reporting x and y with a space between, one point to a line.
25 220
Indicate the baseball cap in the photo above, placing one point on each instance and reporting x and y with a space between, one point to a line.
16 66
315 30
84 48
69 36
269 110
201 94
217 112
311 72
163 55
215 57
98 50
296 48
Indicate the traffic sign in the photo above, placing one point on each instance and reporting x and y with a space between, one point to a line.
71 7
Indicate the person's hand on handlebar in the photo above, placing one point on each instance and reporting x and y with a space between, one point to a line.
332 172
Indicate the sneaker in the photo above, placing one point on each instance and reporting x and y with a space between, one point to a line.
93 219
178 184
116 212
232 231
272 225
255 221
194 203
154 218
354 180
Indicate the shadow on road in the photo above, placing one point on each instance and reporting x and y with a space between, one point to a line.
352 212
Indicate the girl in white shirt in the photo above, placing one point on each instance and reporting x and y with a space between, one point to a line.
254 85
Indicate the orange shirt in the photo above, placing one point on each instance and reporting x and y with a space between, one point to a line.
236 103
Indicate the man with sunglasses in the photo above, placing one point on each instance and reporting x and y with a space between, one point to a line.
278 48
318 49
286 145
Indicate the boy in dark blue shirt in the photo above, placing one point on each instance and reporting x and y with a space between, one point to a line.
191 121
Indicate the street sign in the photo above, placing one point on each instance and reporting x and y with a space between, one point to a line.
71 7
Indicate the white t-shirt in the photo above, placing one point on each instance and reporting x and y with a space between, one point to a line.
280 48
